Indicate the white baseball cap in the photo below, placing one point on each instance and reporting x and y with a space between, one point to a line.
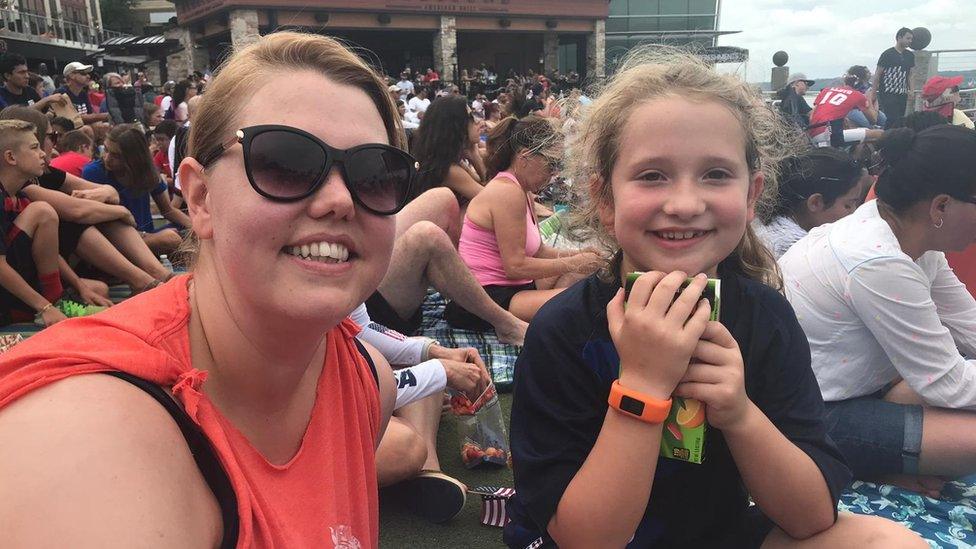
76 66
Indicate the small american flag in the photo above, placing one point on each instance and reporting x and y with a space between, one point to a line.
493 500
389 332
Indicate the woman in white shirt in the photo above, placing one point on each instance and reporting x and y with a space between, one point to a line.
890 326
819 186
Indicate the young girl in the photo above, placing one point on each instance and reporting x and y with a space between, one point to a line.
892 331
679 156
128 166
500 240
237 409
816 187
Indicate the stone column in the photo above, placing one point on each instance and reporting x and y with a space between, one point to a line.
153 73
180 64
243 27
926 66
550 49
96 10
445 49
596 52
778 78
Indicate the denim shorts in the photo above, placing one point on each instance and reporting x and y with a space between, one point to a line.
876 437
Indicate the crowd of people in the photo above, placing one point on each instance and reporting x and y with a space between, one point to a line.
266 396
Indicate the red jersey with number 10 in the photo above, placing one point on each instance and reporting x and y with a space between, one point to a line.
834 104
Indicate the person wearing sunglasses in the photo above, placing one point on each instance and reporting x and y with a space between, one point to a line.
818 186
892 331
77 77
500 239
239 409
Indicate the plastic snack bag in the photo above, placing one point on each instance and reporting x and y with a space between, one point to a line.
482 428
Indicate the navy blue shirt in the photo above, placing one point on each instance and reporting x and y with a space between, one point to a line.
81 101
562 381
138 204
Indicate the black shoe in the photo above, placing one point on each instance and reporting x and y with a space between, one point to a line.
432 495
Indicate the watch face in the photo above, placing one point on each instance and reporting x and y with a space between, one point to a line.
631 405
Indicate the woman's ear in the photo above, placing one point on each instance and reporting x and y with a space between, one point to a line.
194 184
815 203
757 183
937 209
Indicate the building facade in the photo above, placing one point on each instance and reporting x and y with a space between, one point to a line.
688 23
447 35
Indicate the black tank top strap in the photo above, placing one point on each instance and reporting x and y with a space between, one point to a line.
203 453
369 360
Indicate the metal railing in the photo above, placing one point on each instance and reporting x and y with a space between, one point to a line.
39 26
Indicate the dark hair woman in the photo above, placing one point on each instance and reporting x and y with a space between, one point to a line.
892 331
819 186
447 146
128 166
185 89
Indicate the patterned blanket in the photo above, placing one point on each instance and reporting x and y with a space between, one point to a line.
944 523
499 357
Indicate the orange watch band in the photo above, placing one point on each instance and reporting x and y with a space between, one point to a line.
637 404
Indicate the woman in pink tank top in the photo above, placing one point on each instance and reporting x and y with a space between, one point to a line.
500 240
232 407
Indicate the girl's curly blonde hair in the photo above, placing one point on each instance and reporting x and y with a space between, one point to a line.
653 72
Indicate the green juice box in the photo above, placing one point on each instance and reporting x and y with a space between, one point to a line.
683 436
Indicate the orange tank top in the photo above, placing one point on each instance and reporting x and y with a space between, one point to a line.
326 496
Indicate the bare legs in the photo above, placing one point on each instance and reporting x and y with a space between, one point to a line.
439 206
944 452
94 248
128 241
527 303
851 531
165 241
424 256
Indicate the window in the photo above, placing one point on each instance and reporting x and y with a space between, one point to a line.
701 6
674 7
644 7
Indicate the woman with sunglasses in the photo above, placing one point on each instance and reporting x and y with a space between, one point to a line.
892 331
500 240
819 186
238 409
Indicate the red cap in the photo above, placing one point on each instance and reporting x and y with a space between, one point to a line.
937 85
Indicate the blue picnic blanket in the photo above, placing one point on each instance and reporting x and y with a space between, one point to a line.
944 523
499 357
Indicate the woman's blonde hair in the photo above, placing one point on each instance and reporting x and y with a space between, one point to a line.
284 52
653 72
280 53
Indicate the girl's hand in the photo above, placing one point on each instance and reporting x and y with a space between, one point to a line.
656 334
91 297
52 316
716 378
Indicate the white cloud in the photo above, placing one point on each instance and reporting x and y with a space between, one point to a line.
824 37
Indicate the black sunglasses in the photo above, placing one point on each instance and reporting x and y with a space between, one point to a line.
286 164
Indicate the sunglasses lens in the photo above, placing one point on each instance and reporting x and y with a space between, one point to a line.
380 177
285 165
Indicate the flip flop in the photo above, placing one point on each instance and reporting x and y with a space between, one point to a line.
433 495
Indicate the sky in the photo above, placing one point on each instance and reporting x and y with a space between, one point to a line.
824 37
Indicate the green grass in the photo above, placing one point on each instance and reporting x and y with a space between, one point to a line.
400 528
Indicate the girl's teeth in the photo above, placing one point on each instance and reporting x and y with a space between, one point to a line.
313 248
306 251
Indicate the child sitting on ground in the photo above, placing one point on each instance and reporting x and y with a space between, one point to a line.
30 268
75 148
677 157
